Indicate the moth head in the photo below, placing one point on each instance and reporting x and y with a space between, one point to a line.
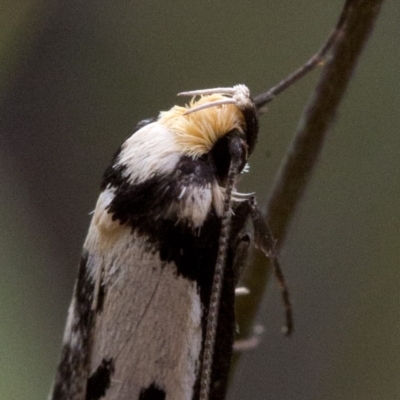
157 158
208 118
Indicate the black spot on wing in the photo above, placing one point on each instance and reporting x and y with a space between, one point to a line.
100 380
72 371
84 296
67 383
152 393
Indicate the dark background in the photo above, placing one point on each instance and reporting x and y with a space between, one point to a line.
76 76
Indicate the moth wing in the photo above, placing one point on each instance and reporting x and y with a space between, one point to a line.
147 318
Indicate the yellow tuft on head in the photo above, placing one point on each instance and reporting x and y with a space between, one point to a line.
196 133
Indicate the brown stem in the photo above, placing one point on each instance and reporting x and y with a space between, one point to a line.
356 24
304 152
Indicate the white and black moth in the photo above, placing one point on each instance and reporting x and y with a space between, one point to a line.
137 323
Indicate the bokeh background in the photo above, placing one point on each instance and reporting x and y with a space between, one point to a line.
76 76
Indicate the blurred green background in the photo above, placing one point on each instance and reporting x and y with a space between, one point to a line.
76 76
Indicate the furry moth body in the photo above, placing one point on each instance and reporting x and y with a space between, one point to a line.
137 322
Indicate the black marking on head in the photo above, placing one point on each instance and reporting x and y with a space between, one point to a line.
73 367
153 392
100 380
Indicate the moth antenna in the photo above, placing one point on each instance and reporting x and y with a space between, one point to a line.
235 151
211 104
200 92
244 196
265 241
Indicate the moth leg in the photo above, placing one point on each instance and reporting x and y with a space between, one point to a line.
241 238
264 240
241 255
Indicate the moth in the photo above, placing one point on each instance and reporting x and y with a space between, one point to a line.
152 314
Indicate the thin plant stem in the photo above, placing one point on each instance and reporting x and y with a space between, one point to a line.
345 46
